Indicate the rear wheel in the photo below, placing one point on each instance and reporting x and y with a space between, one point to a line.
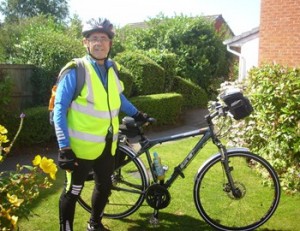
130 182
254 200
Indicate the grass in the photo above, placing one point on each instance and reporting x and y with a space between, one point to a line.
181 214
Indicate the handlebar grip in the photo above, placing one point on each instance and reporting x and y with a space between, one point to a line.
129 122
151 120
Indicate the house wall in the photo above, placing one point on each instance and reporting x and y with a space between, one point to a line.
280 32
249 51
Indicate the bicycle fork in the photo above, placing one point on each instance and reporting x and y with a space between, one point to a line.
230 185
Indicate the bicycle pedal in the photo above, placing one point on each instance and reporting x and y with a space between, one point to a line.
154 221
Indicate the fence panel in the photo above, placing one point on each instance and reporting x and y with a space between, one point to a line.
20 75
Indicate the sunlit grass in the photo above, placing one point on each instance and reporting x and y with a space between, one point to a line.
181 214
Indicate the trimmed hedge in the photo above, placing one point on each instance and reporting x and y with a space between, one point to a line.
148 76
166 108
168 61
127 79
36 128
193 95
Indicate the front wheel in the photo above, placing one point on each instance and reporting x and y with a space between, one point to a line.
250 204
130 181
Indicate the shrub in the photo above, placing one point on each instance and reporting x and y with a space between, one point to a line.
193 95
275 134
36 128
169 62
49 47
127 79
148 76
5 93
273 129
166 108
200 53
19 188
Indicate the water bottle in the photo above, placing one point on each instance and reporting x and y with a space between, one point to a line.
159 171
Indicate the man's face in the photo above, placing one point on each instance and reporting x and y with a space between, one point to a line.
99 44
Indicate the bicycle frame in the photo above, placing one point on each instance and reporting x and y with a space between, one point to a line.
207 134
178 171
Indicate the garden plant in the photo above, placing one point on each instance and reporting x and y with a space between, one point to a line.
19 188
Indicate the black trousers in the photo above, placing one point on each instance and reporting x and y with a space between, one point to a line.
103 168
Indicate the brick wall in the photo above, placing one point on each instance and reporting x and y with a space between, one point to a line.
280 32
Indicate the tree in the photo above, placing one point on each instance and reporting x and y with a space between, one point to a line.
15 10
201 54
44 43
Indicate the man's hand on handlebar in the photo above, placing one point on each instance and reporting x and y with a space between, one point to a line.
141 117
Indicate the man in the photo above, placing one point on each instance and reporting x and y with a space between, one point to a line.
87 127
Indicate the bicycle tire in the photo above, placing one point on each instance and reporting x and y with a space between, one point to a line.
130 181
260 192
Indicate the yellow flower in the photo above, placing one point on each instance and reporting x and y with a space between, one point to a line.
48 166
5 213
14 220
53 174
13 199
1 157
7 149
3 130
37 160
3 137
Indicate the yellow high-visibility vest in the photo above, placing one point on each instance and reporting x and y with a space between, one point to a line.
93 112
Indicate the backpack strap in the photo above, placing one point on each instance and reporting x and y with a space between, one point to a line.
78 64
80 79
115 67
80 76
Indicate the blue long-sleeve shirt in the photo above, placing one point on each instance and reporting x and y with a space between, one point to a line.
64 96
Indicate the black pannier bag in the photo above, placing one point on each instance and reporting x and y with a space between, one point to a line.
238 104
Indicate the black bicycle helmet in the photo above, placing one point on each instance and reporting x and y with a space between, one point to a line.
98 25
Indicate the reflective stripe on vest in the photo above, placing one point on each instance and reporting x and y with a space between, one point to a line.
93 112
89 137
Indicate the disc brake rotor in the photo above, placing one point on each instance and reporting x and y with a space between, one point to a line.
240 191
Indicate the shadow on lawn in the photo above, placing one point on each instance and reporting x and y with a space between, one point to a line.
171 222
168 222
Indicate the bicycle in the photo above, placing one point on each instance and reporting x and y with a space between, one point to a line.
237 202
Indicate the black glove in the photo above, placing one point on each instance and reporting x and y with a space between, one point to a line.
140 117
67 159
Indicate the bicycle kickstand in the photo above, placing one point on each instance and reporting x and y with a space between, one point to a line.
154 218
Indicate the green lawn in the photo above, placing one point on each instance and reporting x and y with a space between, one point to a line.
181 214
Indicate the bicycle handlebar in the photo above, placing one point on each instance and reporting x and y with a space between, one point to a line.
218 110
128 123
235 104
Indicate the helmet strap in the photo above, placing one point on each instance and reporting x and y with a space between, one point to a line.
88 49
97 58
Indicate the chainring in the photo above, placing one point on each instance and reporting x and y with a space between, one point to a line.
157 196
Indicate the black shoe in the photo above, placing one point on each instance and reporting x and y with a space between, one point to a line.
98 227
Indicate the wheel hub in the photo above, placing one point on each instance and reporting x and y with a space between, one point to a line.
238 193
